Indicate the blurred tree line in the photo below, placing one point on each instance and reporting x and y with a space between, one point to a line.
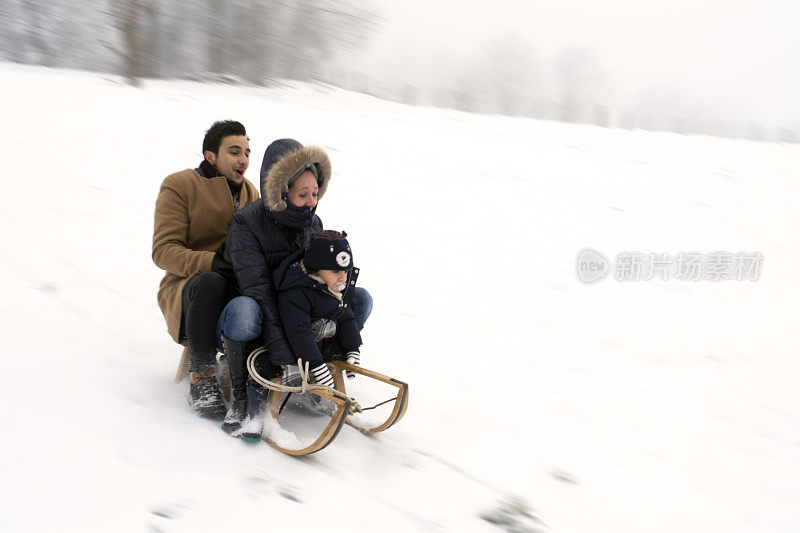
245 40
258 41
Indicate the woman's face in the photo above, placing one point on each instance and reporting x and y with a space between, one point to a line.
303 190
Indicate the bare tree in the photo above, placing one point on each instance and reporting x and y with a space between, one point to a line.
132 29
13 44
577 72
37 14
512 70
151 32
215 31
505 80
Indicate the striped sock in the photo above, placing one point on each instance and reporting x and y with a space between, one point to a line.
354 358
322 376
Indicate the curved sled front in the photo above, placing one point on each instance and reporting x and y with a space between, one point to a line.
400 401
343 406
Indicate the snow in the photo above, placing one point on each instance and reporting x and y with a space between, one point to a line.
280 436
620 407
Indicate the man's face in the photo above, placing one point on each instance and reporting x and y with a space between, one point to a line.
232 159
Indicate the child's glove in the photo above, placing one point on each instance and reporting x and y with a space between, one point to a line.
354 358
323 328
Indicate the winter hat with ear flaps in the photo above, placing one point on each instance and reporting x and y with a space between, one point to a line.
284 160
328 250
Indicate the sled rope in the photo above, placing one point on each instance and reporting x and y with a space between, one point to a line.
379 404
279 387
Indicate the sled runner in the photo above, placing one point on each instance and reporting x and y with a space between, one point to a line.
345 409
329 432
338 368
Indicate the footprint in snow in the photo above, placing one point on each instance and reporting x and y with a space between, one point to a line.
513 515
564 477
290 494
51 288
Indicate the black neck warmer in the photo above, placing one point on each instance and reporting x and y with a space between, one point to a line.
208 170
294 217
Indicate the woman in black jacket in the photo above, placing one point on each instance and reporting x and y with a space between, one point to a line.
293 179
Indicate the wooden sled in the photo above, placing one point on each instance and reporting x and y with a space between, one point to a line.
338 368
343 407
183 366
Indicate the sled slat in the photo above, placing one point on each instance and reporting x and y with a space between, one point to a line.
183 366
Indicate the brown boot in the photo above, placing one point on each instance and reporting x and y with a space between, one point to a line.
205 395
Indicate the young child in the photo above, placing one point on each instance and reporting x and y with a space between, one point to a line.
315 296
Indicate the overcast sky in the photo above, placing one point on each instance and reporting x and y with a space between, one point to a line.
737 56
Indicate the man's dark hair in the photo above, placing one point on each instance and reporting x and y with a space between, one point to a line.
218 130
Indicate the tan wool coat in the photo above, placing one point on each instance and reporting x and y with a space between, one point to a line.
192 217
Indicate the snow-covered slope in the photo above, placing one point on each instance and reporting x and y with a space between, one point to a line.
617 407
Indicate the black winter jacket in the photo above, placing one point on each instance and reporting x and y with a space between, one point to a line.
302 299
256 246
265 233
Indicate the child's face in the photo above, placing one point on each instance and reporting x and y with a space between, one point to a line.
333 278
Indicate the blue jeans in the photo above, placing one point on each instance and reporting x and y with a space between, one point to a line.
241 318
362 305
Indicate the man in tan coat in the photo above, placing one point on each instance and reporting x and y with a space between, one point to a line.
198 293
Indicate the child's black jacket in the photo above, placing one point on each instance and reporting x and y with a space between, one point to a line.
302 299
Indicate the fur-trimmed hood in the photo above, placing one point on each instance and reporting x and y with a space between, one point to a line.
281 160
